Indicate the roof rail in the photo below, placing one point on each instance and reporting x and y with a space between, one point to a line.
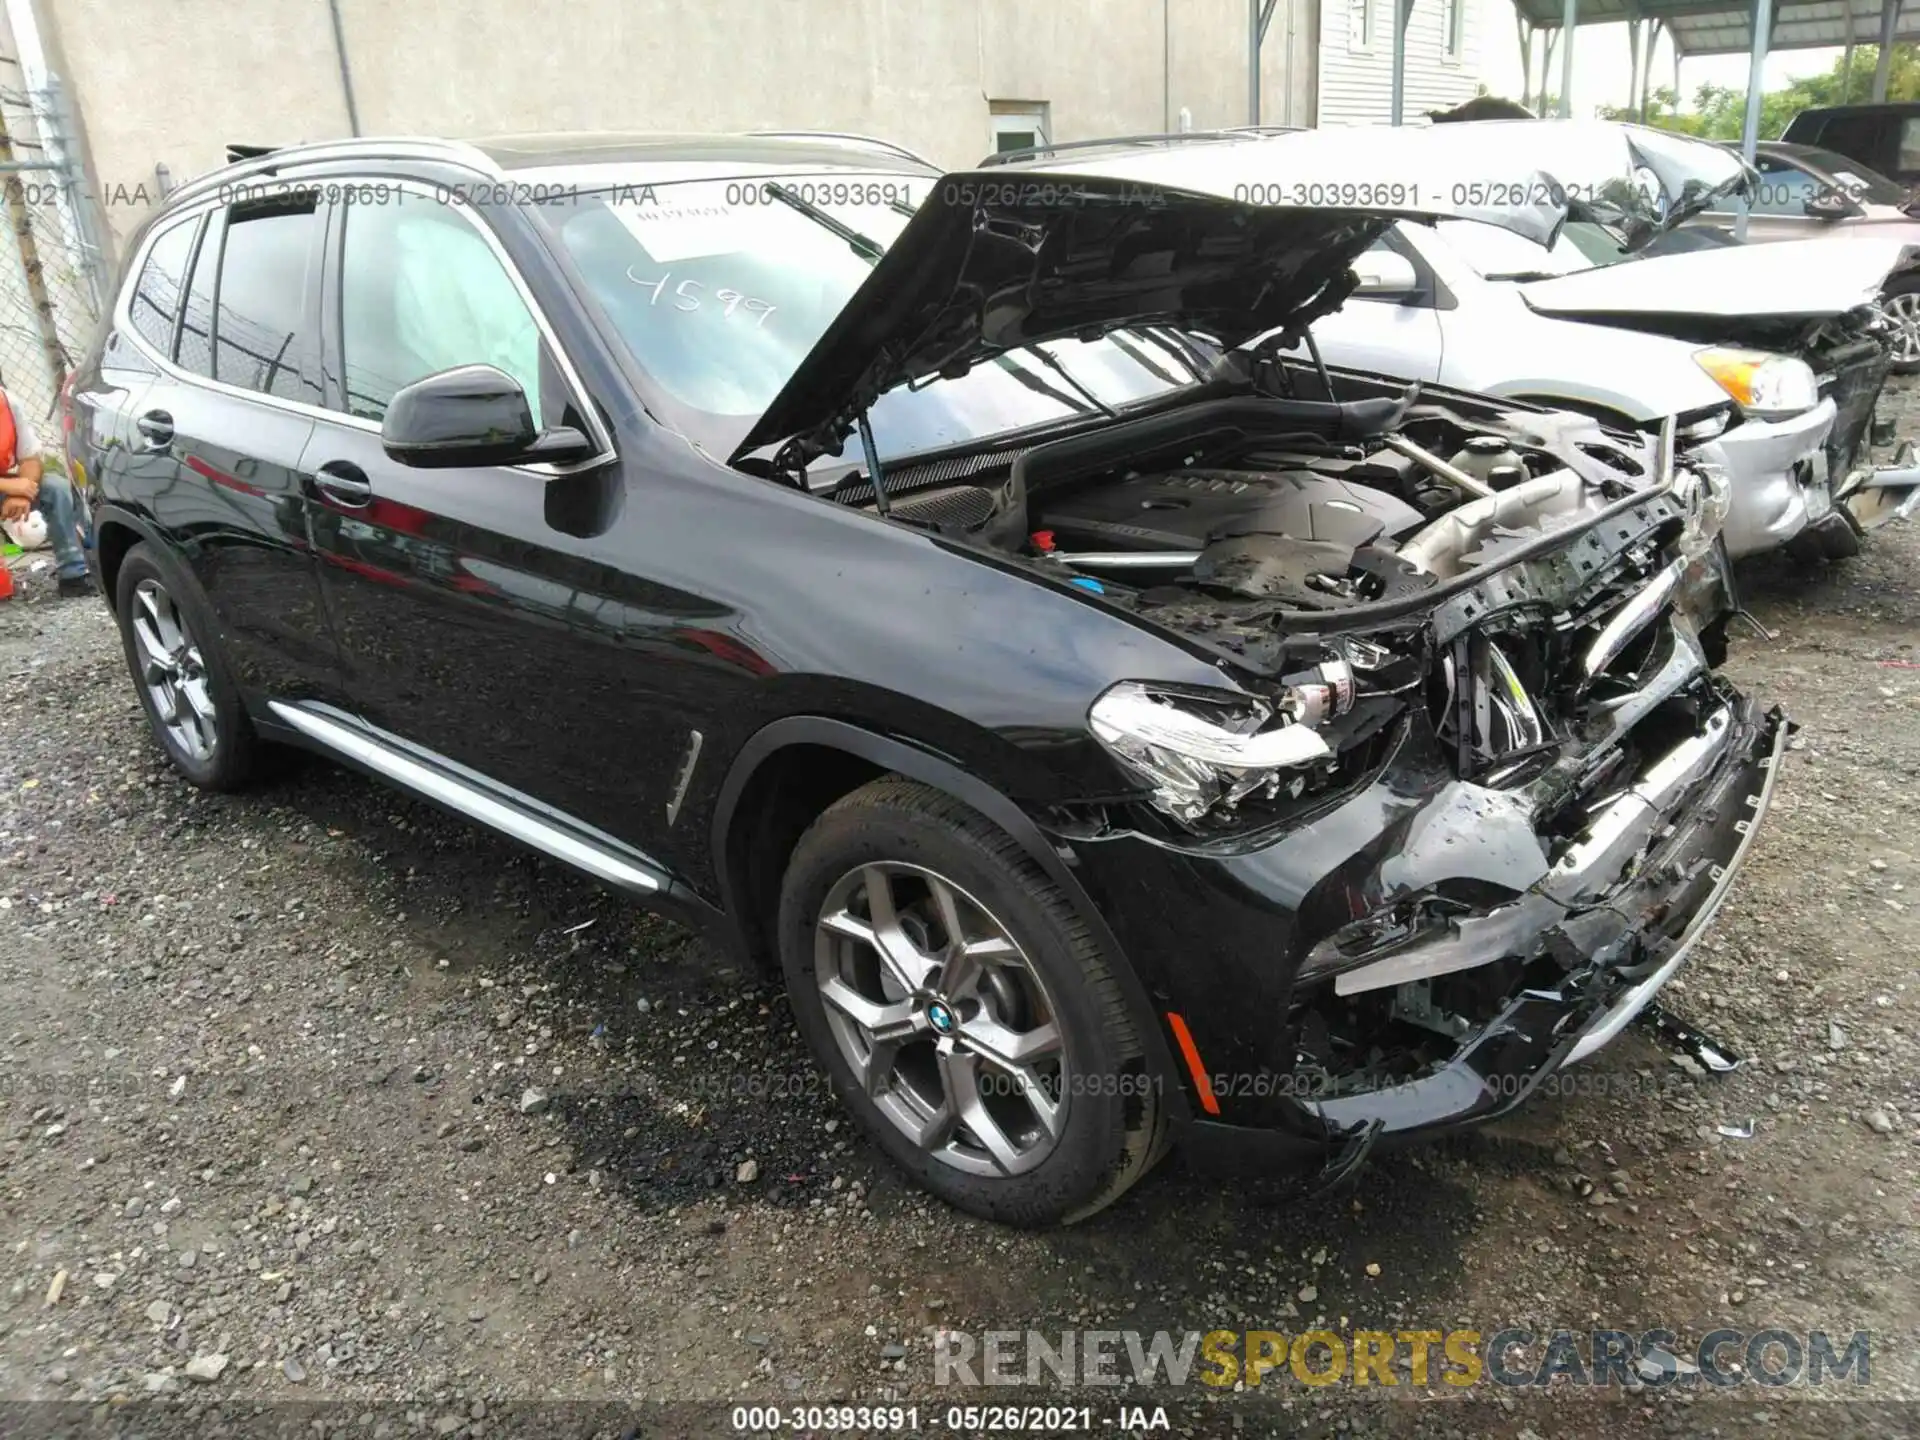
1177 137
869 141
268 160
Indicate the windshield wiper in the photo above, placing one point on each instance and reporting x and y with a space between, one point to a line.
865 248
1524 275
1072 400
1052 362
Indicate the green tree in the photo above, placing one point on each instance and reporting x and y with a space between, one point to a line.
1719 112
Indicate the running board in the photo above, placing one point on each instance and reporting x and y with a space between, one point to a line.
466 792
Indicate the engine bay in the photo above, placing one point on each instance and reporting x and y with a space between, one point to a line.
1251 502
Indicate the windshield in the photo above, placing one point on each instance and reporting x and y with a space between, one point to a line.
720 288
1496 254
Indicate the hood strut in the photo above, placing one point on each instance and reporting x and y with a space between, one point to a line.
873 465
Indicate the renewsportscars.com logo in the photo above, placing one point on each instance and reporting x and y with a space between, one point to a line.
1246 1359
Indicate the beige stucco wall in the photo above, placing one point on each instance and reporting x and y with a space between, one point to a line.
174 81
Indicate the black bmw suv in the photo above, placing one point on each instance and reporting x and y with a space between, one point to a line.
946 591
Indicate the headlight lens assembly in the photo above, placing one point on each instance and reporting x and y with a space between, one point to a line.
1203 751
1766 386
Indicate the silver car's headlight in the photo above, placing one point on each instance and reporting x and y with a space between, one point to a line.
1202 750
1765 385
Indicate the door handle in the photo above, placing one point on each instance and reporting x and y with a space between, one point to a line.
344 483
156 428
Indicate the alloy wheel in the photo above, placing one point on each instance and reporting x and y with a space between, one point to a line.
172 671
942 1018
1904 311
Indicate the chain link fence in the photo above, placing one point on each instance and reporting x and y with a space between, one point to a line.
52 276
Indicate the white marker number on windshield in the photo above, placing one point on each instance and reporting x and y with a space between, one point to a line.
687 299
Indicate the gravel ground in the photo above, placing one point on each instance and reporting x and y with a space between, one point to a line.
313 1095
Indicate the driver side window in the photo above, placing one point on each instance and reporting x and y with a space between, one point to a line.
1783 190
422 290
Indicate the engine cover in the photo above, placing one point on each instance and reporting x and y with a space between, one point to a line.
1185 509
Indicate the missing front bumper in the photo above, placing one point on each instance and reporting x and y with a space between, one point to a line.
1637 940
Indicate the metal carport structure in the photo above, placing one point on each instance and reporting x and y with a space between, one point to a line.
1693 27
1732 27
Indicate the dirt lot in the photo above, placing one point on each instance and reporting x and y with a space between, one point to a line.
270 1063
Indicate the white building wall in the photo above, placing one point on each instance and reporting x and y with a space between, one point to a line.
174 82
1356 60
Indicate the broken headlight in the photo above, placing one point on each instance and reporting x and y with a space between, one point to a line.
1764 385
1203 751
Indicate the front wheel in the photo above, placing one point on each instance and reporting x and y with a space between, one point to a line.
1900 303
963 1010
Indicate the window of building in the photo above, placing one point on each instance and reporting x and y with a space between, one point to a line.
261 341
1019 125
1456 22
154 305
421 291
1360 25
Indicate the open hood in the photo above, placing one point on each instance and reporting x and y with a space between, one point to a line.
1231 236
1789 279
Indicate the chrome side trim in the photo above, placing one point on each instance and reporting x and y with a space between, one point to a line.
461 790
1633 616
1640 996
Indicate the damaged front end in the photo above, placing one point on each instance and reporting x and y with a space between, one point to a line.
1515 795
1799 450
1466 787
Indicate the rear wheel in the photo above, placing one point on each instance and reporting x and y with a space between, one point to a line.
183 681
962 1009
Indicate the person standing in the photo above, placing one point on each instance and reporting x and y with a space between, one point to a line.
26 484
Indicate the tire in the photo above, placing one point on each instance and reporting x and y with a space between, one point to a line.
195 711
1835 538
1900 302
1109 1125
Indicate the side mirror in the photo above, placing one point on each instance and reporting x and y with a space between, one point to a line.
1830 205
472 415
1385 275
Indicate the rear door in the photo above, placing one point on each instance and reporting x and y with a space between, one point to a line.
217 433
472 624
105 455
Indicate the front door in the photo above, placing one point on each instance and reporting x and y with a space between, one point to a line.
476 614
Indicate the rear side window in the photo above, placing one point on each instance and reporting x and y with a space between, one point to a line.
1908 159
260 336
1861 136
196 318
154 304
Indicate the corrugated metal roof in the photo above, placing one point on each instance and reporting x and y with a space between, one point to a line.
1717 27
